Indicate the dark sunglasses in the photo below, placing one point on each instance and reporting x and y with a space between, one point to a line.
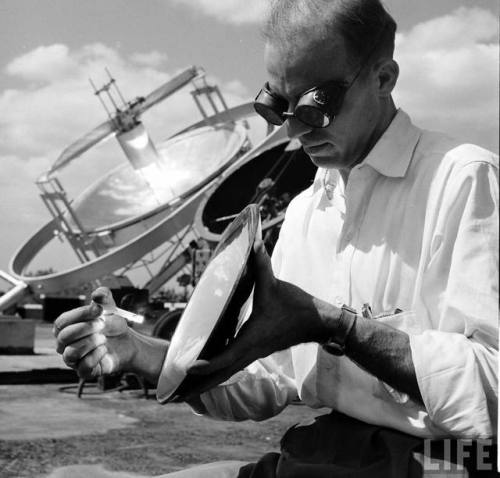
317 107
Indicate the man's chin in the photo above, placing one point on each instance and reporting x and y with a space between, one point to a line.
326 161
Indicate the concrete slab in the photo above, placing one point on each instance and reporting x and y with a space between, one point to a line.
53 416
44 366
220 469
86 471
45 355
16 336
21 363
123 433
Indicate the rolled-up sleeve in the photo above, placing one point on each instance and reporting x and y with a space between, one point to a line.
456 362
260 391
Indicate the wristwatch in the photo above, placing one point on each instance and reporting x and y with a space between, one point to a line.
336 343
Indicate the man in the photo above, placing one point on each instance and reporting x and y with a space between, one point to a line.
399 218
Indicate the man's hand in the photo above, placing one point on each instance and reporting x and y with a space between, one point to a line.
93 346
283 315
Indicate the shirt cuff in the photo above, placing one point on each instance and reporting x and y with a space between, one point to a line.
255 393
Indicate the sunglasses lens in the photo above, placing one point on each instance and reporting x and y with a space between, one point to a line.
268 113
312 116
269 106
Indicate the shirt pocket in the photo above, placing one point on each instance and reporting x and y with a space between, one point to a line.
405 321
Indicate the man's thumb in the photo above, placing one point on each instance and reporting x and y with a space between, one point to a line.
264 269
103 296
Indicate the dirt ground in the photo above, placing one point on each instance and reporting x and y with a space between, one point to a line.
43 430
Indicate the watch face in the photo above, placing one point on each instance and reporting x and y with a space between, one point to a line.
211 316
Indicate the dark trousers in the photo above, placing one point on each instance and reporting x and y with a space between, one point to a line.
338 446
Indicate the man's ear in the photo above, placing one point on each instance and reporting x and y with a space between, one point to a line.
387 76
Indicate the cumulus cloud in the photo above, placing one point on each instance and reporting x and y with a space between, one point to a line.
230 11
43 63
54 103
449 74
154 58
20 208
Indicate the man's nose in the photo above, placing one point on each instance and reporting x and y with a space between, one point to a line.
295 128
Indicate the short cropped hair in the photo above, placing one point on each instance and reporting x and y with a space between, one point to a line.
365 25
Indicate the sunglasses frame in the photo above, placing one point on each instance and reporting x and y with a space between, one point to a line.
318 97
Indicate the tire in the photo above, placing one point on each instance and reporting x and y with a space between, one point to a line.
166 324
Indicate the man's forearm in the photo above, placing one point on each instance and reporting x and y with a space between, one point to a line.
378 348
148 357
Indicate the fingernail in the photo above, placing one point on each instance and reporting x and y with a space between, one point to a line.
95 309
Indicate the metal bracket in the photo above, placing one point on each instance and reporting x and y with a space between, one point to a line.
55 199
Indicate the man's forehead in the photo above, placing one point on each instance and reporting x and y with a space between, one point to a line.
299 65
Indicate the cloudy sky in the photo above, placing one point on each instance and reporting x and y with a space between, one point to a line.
447 51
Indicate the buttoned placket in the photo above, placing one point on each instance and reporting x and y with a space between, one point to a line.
356 197
334 192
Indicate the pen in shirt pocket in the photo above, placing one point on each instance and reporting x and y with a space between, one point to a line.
366 312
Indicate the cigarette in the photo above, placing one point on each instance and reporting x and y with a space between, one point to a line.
127 315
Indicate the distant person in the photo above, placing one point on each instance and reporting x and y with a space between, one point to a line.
381 302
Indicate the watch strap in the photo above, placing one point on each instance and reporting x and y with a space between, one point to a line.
336 343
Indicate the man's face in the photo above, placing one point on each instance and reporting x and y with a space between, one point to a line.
353 132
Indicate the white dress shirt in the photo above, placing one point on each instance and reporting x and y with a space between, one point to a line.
416 228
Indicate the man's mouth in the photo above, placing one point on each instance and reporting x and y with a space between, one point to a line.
315 149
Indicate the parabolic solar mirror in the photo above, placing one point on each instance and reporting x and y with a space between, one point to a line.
185 163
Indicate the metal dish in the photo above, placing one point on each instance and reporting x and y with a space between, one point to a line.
210 319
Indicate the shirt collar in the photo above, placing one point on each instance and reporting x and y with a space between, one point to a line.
392 153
